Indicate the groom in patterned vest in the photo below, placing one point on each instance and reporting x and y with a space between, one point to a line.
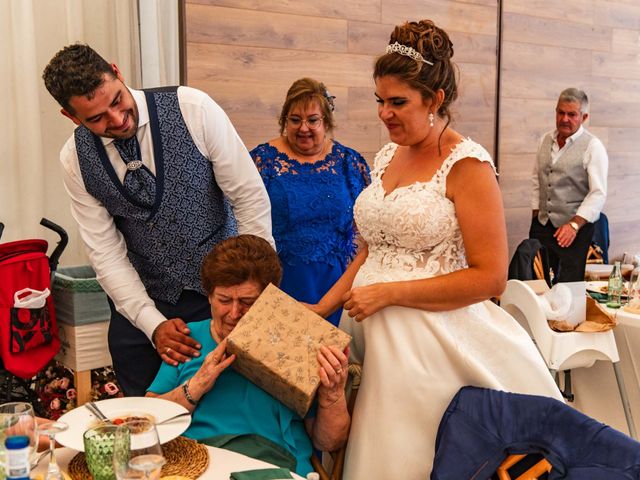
569 188
156 179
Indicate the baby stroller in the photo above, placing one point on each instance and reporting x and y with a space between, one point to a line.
28 329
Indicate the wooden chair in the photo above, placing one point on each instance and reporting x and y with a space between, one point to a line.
534 472
337 457
538 266
595 254
481 427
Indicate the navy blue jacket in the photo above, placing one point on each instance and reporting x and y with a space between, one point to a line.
481 427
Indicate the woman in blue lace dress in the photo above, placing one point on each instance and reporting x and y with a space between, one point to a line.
312 182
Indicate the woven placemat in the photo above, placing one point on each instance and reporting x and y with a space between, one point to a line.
185 458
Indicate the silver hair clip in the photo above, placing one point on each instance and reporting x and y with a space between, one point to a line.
329 98
407 52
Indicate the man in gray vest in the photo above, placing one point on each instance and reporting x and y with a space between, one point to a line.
569 187
156 179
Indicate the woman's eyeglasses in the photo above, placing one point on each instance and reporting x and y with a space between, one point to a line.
312 122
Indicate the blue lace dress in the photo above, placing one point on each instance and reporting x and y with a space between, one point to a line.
312 216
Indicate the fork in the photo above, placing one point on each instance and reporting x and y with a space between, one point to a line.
170 419
93 408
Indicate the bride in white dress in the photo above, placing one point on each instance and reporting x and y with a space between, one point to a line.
436 250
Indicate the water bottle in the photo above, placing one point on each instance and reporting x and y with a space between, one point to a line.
17 457
614 291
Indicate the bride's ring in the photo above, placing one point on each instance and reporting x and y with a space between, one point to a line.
339 370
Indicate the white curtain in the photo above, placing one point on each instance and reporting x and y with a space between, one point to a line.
33 130
159 42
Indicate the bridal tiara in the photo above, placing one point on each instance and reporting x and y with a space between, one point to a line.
407 52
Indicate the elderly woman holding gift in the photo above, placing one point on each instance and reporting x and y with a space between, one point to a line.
223 402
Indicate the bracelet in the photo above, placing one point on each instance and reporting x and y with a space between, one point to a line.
187 395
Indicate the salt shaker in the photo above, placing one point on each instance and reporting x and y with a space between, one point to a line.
17 457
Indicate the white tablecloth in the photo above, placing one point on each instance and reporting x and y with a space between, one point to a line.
221 463
596 389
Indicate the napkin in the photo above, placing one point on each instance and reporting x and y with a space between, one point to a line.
262 474
556 303
598 297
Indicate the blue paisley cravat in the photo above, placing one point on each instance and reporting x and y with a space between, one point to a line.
139 182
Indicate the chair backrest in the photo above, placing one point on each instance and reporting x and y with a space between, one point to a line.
530 262
595 254
481 427
337 457
530 471
601 236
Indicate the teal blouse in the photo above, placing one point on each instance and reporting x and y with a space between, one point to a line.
235 405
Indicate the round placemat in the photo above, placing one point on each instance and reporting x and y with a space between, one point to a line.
185 458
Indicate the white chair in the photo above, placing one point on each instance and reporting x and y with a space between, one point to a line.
563 350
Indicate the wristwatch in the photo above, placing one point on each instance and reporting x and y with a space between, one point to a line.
575 226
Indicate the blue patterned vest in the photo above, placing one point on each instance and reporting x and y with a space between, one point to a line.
167 243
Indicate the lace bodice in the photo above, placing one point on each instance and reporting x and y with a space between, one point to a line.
312 203
413 231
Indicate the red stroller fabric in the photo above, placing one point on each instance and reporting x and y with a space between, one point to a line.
28 336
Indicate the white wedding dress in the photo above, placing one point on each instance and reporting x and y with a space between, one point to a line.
417 360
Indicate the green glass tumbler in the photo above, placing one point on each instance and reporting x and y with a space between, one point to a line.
98 450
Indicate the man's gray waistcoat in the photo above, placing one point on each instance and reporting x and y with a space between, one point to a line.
564 184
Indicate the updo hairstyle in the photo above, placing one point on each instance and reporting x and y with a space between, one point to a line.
434 45
303 92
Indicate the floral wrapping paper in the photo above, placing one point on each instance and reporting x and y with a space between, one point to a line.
276 344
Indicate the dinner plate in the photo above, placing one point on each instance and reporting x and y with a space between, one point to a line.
600 287
597 286
80 419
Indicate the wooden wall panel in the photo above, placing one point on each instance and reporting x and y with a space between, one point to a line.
572 10
235 26
452 16
365 10
562 33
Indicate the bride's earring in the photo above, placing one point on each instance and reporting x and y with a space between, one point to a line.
431 119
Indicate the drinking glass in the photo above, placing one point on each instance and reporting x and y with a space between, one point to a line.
98 450
50 429
18 418
137 451
633 290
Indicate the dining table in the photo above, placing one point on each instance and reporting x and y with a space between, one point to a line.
596 389
599 271
221 464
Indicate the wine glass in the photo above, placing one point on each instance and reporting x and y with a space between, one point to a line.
137 451
50 429
633 291
18 418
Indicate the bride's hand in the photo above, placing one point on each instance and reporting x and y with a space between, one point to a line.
362 302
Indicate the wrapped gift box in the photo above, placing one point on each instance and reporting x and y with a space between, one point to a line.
276 343
78 297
